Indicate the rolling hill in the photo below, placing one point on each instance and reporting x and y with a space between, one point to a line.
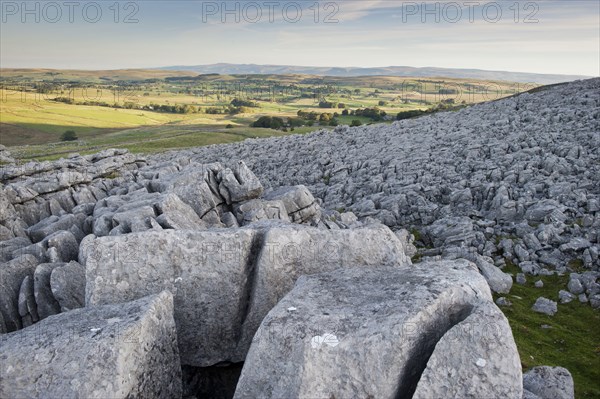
406 71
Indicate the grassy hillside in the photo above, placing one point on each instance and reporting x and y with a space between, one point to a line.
27 119
99 76
568 339
119 108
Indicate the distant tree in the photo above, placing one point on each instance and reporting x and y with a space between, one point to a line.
355 122
345 112
213 110
263 121
382 103
229 126
327 104
69 135
268 122
295 122
333 122
325 117
410 114
189 109
234 110
374 113
276 123
236 102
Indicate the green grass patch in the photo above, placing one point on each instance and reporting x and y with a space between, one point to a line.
572 339
417 234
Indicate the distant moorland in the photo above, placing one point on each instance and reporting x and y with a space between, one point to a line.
155 110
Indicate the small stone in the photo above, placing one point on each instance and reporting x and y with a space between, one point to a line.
539 284
502 301
529 267
348 218
595 301
575 286
576 244
521 279
582 298
521 253
545 306
481 362
565 296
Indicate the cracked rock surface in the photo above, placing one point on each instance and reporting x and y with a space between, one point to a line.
226 280
125 350
428 330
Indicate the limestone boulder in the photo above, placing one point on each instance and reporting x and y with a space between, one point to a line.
12 275
113 351
549 382
226 280
298 201
291 251
67 283
207 271
239 184
362 332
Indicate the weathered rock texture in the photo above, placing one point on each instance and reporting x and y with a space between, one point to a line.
549 383
226 280
115 351
510 181
430 330
12 275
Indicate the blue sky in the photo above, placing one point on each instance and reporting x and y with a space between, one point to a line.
565 39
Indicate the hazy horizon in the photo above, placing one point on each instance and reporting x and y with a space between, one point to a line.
162 67
492 36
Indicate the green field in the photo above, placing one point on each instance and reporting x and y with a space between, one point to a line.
33 129
568 339
119 108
